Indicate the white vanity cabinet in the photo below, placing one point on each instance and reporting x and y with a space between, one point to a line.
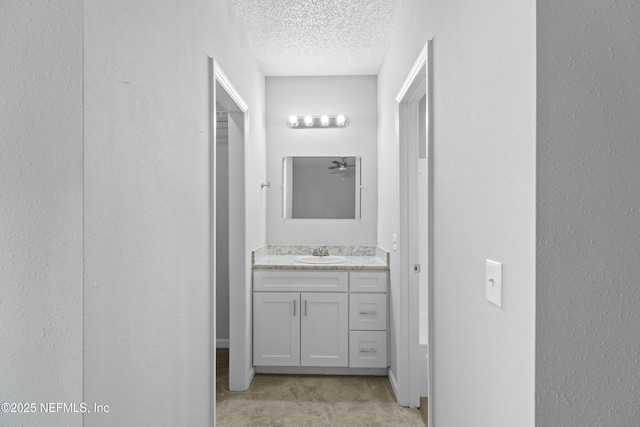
324 319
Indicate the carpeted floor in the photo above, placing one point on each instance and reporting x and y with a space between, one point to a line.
309 400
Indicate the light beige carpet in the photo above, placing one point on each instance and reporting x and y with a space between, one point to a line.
309 400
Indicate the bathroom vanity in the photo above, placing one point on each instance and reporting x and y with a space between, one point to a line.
320 317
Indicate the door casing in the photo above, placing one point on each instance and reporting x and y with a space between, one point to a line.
415 87
241 371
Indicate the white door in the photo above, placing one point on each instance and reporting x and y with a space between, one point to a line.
324 329
276 329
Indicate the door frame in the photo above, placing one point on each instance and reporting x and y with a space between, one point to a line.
240 364
417 84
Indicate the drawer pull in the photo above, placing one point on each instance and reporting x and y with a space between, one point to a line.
294 307
369 312
368 350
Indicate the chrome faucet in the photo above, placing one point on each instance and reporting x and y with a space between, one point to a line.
321 252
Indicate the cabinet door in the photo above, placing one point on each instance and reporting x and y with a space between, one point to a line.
276 329
324 323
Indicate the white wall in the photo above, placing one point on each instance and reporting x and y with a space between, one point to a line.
412 27
147 308
588 225
484 207
354 96
41 207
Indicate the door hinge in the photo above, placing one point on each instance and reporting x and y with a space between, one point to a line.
416 268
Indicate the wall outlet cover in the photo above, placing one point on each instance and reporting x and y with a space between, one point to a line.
494 282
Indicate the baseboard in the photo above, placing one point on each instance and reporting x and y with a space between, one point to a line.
424 377
251 374
311 370
222 343
394 384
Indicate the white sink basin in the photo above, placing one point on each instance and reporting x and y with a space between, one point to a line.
329 259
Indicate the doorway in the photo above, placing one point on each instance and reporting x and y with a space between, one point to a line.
222 227
415 183
230 260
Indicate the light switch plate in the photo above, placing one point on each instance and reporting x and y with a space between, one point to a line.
394 242
494 282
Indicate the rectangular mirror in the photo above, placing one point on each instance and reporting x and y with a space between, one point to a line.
321 187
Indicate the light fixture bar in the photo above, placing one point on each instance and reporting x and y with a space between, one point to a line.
318 122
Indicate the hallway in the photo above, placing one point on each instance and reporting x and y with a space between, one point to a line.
106 159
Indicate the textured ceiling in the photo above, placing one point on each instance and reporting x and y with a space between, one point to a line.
318 37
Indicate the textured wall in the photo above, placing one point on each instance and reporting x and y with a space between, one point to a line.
354 96
147 297
588 224
484 207
40 207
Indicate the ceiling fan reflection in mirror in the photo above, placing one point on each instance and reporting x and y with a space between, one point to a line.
341 166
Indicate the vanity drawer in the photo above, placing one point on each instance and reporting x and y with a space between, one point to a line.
368 281
368 349
368 312
300 281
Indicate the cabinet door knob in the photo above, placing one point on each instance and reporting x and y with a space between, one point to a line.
294 307
305 308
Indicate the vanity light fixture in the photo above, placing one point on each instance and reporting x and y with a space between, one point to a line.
308 120
318 122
